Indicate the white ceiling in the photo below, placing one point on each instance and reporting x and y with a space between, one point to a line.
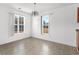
41 7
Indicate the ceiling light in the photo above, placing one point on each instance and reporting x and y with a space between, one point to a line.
35 12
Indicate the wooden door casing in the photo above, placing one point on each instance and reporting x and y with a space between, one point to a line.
78 15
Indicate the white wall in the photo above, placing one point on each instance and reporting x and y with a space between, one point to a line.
27 29
3 24
62 26
36 28
7 23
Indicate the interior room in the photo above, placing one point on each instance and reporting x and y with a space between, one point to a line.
39 29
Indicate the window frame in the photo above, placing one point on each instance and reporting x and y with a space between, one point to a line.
19 24
42 24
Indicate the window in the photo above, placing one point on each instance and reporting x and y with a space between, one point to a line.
45 22
19 24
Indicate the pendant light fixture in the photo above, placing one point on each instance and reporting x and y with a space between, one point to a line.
35 12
